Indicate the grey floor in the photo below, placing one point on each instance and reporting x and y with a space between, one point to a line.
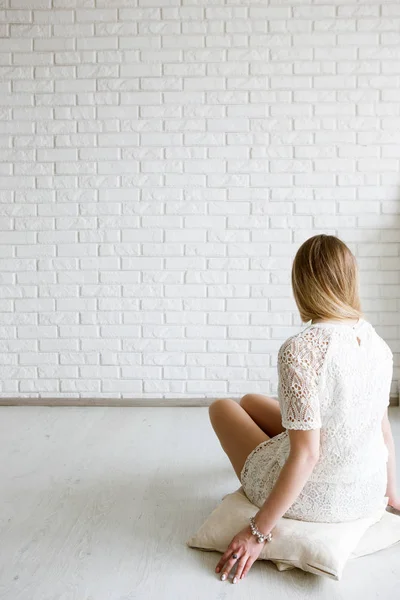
97 504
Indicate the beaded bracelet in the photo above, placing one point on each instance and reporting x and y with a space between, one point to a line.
261 538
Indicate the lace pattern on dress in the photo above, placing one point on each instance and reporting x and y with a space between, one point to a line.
271 443
328 381
300 362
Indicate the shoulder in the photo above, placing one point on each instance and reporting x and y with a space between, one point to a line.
312 342
382 346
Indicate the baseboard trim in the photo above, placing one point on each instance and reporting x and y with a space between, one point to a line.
128 402
120 402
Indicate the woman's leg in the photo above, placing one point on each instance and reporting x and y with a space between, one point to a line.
265 412
237 432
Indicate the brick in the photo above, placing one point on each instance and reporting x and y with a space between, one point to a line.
163 161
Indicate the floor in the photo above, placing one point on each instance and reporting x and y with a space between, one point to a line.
97 504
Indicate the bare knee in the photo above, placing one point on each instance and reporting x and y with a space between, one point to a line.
219 407
246 401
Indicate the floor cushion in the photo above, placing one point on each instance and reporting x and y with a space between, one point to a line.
320 548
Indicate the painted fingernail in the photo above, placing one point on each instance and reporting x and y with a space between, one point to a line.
217 569
223 576
234 579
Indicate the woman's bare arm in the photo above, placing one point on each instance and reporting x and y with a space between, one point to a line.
304 454
391 490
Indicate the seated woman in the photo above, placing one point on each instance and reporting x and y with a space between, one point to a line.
324 451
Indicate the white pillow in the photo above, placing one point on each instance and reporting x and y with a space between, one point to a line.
320 548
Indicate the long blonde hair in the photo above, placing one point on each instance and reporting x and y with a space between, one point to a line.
325 280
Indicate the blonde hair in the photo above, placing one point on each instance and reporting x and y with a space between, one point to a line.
325 280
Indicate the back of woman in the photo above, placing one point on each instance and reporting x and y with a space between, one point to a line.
337 377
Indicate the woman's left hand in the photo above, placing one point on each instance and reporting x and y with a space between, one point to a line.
247 549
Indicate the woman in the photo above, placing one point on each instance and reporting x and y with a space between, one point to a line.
324 451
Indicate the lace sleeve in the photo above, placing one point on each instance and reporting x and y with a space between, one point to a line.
300 361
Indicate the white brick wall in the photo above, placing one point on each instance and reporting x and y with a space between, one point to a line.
161 162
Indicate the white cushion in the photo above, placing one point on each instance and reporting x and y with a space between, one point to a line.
320 548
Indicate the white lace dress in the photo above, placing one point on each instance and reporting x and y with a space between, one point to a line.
336 378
